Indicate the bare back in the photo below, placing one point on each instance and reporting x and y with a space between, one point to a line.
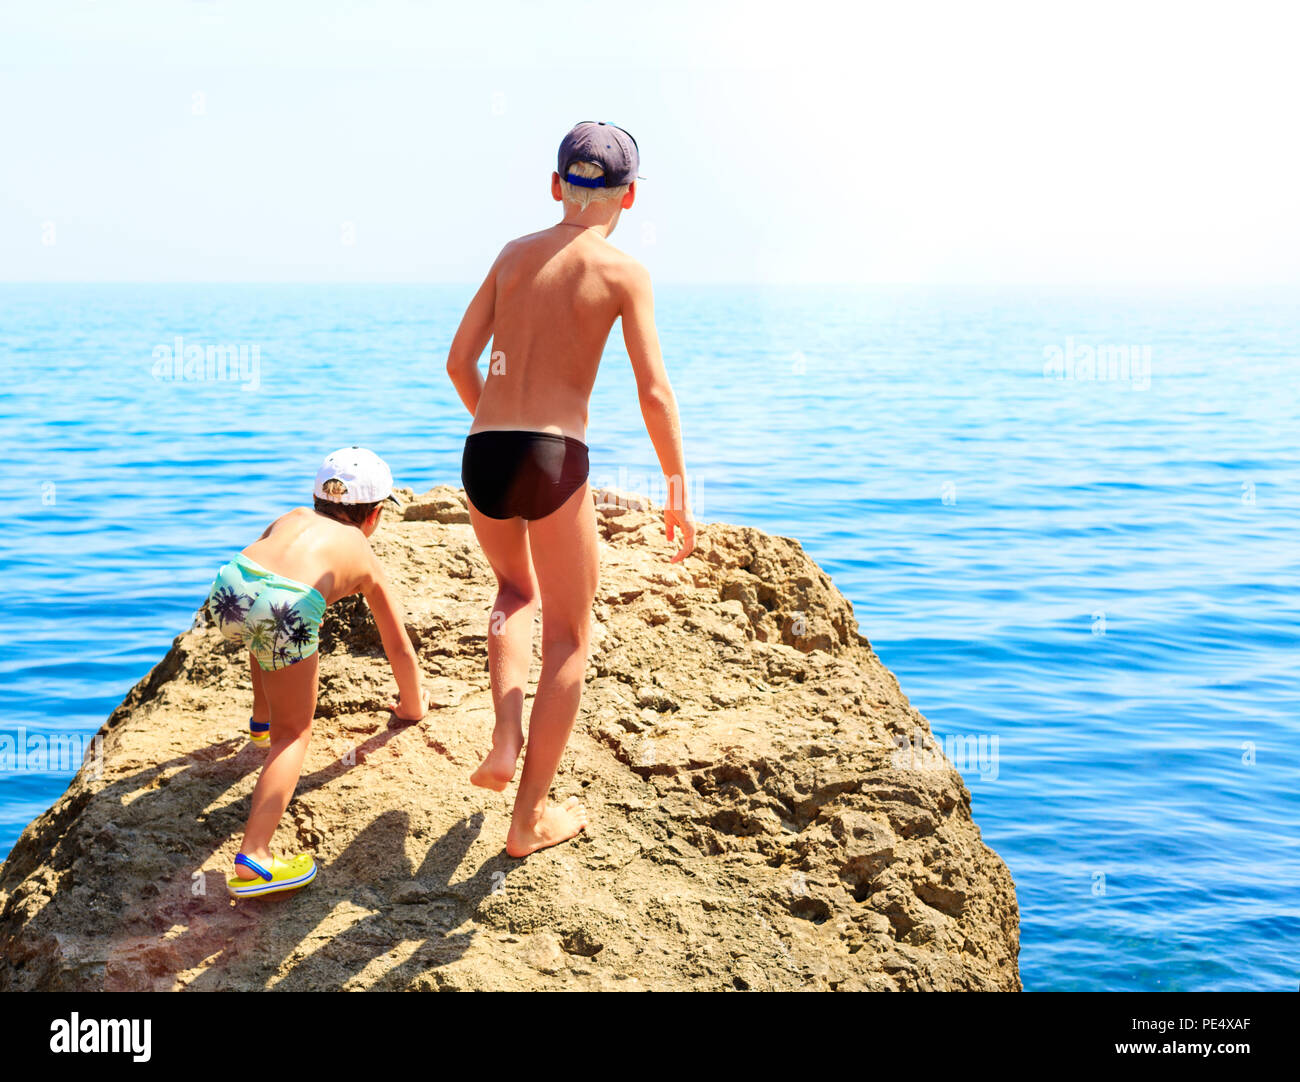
316 550
547 307
556 296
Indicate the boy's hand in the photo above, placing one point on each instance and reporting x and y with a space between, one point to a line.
406 712
680 520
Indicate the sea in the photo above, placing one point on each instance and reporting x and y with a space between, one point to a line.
1066 518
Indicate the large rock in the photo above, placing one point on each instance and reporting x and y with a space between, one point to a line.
753 826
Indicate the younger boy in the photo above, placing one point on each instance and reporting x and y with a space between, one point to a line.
271 598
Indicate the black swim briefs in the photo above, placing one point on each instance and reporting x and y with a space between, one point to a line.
517 474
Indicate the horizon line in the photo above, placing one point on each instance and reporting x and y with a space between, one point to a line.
755 283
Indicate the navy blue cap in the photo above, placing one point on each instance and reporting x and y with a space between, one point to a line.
603 144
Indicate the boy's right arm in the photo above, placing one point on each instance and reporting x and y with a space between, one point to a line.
472 337
658 404
386 606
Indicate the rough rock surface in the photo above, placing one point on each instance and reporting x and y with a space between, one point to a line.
753 826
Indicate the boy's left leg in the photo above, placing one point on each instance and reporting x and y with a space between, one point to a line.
565 548
291 698
261 706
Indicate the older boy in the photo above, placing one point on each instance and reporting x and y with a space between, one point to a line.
548 304
271 598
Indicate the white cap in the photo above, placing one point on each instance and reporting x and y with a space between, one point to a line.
365 476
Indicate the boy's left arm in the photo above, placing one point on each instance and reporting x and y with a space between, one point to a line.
386 607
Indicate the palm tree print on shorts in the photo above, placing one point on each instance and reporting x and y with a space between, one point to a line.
229 606
282 636
288 629
300 636
259 637
277 633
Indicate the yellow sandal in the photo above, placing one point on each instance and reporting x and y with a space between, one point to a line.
278 875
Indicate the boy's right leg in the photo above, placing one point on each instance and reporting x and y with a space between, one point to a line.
291 696
566 555
509 642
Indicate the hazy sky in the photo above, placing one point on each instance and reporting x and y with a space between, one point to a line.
146 140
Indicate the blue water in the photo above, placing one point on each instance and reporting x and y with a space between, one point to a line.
1100 574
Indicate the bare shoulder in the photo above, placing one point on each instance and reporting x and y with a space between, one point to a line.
509 252
628 276
517 253
293 515
512 248
362 561
348 555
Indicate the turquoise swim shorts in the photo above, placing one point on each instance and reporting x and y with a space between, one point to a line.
276 619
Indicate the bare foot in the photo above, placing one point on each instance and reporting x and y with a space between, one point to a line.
557 824
498 768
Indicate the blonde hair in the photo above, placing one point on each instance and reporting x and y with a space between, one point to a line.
584 197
